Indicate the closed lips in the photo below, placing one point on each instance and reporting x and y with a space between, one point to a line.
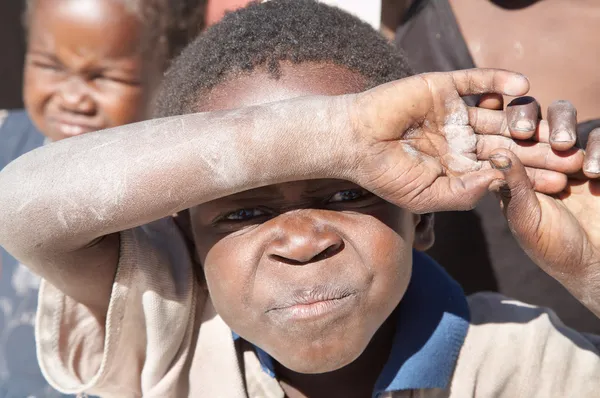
307 297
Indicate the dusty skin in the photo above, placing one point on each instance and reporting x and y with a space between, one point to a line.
55 222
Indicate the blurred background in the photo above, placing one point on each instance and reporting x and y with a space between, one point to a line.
12 43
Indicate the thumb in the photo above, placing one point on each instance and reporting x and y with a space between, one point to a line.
519 201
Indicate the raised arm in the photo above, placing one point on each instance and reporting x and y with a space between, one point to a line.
411 142
61 205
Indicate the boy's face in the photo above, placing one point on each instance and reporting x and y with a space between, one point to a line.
306 270
84 70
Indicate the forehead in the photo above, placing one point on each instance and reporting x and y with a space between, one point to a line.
100 27
260 87
295 80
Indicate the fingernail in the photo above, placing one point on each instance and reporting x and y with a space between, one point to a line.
523 125
592 167
500 162
562 136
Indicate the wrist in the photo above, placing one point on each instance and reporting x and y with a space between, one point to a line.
307 138
345 138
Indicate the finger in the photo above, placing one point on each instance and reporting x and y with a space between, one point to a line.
591 164
456 193
531 154
518 199
583 131
544 181
562 120
491 122
482 81
488 121
491 101
522 116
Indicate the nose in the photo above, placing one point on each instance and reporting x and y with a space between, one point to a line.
302 239
75 97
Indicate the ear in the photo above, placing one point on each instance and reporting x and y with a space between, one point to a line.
424 235
182 220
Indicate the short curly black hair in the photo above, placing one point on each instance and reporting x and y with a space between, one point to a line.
170 24
263 35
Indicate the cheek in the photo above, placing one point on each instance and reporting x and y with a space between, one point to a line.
37 89
387 248
229 266
123 105
385 240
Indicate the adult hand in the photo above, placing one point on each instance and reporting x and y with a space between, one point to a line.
560 233
421 147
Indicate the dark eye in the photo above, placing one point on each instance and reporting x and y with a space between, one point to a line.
348 195
47 66
244 214
104 77
109 78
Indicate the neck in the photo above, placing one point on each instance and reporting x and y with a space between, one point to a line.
354 380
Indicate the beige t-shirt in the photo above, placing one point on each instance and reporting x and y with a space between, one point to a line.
163 338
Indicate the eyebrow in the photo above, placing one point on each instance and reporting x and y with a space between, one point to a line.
273 194
247 199
45 54
330 184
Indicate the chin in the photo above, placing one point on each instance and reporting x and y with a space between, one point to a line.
320 357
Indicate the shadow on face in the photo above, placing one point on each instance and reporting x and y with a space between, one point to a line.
320 263
84 70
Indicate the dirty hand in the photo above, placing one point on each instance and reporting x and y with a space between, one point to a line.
561 233
419 146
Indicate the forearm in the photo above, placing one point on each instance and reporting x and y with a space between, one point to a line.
64 196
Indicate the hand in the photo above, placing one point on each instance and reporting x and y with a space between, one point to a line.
421 147
560 233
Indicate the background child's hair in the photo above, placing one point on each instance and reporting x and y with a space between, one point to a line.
263 35
169 24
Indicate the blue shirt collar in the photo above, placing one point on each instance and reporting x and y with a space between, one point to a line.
432 323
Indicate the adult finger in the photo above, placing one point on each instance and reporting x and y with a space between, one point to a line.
488 121
481 81
491 101
493 122
518 199
544 181
522 116
591 164
531 154
562 120
583 131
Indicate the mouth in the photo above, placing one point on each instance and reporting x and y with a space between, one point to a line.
71 128
313 303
